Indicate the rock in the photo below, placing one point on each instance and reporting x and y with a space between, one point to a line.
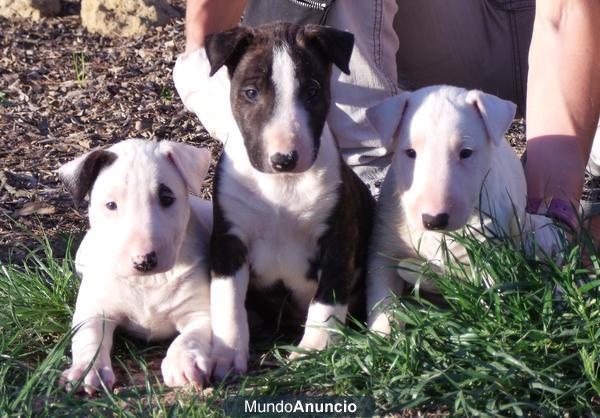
29 9
125 17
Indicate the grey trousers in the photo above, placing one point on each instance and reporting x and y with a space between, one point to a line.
476 44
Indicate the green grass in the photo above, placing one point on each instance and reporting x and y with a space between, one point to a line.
3 99
166 94
517 348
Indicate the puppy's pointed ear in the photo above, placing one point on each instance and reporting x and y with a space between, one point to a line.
497 114
79 175
336 45
191 163
227 48
386 116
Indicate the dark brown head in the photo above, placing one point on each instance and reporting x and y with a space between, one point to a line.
280 88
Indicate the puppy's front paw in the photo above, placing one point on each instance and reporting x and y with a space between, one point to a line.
182 366
92 382
313 340
226 358
381 324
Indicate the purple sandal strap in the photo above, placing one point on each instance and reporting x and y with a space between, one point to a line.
558 209
563 211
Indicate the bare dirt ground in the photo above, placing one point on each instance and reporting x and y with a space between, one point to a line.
64 91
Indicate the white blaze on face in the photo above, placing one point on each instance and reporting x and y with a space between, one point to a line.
430 192
288 131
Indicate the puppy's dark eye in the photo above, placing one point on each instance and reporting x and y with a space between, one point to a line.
465 153
251 94
165 196
411 153
111 206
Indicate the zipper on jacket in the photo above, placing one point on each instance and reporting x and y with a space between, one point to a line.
311 4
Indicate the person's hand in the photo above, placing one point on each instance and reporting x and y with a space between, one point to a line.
203 17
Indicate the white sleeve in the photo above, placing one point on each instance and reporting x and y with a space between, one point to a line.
207 97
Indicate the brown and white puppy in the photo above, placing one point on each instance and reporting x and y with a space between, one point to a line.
451 169
144 260
292 221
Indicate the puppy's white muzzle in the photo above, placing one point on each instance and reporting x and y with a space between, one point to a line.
288 150
139 257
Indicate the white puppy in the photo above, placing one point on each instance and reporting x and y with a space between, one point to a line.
143 262
451 168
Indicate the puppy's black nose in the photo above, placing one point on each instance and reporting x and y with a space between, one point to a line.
145 263
439 221
284 162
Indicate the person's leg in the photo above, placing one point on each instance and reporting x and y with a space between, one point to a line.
563 99
372 79
472 44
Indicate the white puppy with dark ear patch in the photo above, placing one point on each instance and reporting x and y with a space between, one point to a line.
144 260
451 168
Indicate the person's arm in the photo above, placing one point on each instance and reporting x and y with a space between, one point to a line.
563 96
203 17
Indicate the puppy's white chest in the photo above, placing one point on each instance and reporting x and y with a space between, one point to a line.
146 306
436 250
280 222
284 251
150 318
